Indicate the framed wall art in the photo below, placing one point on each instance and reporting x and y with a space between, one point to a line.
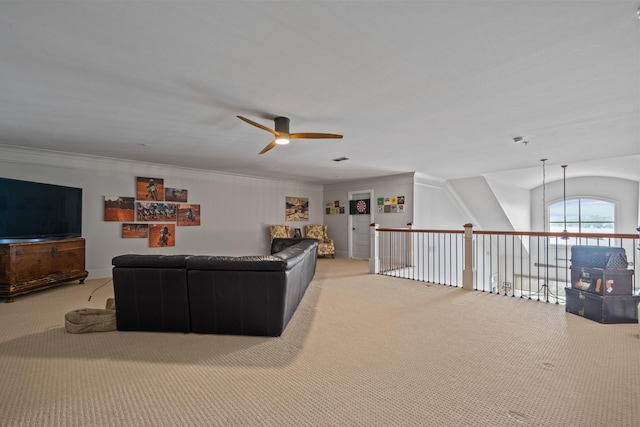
150 189
161 235
393 204
175 195
334 208
135 231
296 209
147 211
119 208
188 214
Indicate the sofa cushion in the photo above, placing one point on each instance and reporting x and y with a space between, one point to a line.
279 244
147 260
242 263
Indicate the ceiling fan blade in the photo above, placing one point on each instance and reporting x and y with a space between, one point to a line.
258 125
268 147
313 135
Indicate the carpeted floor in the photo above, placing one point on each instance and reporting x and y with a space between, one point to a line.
361 350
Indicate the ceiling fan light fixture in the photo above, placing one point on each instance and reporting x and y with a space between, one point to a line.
283 135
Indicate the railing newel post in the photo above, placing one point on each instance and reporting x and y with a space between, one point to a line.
374 258
467 273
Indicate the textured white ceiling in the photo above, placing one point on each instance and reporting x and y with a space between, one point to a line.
436 87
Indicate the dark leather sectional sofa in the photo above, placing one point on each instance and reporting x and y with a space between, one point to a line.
246 295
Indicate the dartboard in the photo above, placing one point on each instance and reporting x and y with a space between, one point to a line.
361 206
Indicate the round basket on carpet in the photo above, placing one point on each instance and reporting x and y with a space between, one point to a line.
85 320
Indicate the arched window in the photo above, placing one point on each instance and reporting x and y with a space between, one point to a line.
582 216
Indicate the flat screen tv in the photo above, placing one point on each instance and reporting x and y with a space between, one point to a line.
37 211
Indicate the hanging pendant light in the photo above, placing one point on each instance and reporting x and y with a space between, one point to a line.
544 196
564 198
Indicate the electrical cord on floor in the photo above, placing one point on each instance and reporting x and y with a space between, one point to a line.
91 294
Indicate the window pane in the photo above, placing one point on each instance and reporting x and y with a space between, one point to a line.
596 210
574 227
599 227
555 227
582 215
573 210
556 213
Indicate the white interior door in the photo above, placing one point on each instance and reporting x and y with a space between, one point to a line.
360 232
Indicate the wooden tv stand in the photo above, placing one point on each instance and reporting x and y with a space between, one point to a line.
29 266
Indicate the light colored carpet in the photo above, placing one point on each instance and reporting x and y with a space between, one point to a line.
361 350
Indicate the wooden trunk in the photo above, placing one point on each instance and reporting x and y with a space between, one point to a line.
30 266
602 281
603 309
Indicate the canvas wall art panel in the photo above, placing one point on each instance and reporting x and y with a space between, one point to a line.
149 188
135 231
161 235
296 209
188 214
175 195
147 211
119 208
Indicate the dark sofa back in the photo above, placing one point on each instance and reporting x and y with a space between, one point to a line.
302 250
249 295
237 295
151 293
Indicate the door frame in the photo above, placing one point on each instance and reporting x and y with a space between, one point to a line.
371 216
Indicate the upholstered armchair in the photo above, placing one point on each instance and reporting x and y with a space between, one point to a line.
279 231
319 232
